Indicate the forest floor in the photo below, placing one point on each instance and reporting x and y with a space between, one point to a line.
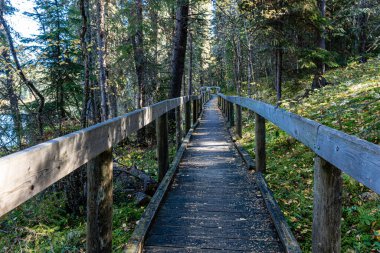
43 225
351 105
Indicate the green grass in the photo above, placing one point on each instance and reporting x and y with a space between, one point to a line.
352 106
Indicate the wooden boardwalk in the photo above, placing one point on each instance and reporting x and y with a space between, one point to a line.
213 203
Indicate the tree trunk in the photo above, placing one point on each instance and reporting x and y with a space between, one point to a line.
13 101
278 63
36 93
190 86
138 49
101 41
322 34
86 40
179 51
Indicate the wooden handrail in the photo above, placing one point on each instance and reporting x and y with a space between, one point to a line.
336 152
356 157
28 172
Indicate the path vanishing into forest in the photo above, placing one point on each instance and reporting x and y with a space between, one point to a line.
213 203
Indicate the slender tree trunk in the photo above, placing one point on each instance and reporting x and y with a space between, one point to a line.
190 86
36 93
86 40
101 59
13 101
138 48
322 34
278 63
179 51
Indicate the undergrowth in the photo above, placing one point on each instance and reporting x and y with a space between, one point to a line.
351 105
43 225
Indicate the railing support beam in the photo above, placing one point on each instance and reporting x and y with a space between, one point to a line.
260 153
162 145
231 114
178 127
99 203
238 121
187 117
194 111
327 210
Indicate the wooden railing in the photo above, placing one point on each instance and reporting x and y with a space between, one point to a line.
335 151
28 172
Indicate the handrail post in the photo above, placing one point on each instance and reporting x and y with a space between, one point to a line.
187 116
260 143
99 203
194 111
238 121
231 114
162 145
178 126
327 209
199 106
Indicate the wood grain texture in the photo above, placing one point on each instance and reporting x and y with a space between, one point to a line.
327 209
286 236
356 157
99 203
260 151
213 203
135 243
162 145
28 172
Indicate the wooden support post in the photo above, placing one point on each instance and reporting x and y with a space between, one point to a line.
187 117
231 114
194 111
238 121
327 210
99 203
260 153
178 127
199 106
162 145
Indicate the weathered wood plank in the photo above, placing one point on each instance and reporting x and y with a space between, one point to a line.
162 145
356 157
327 209
286 236
135 243
260 152
28 172
99 203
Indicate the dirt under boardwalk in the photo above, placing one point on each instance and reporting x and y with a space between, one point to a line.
213 204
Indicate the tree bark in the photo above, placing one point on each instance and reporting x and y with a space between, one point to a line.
138 49
101 41
36 93
322 34
190 86
278 63
13 101
179 51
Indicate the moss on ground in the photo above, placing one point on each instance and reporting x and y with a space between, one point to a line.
352 105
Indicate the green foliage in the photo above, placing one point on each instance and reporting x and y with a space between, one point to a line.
351 106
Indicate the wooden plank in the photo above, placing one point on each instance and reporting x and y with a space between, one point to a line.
356 157
136 241
162 145
99 203
327 209
286 236
28 172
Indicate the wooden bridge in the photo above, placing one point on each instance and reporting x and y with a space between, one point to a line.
208 200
